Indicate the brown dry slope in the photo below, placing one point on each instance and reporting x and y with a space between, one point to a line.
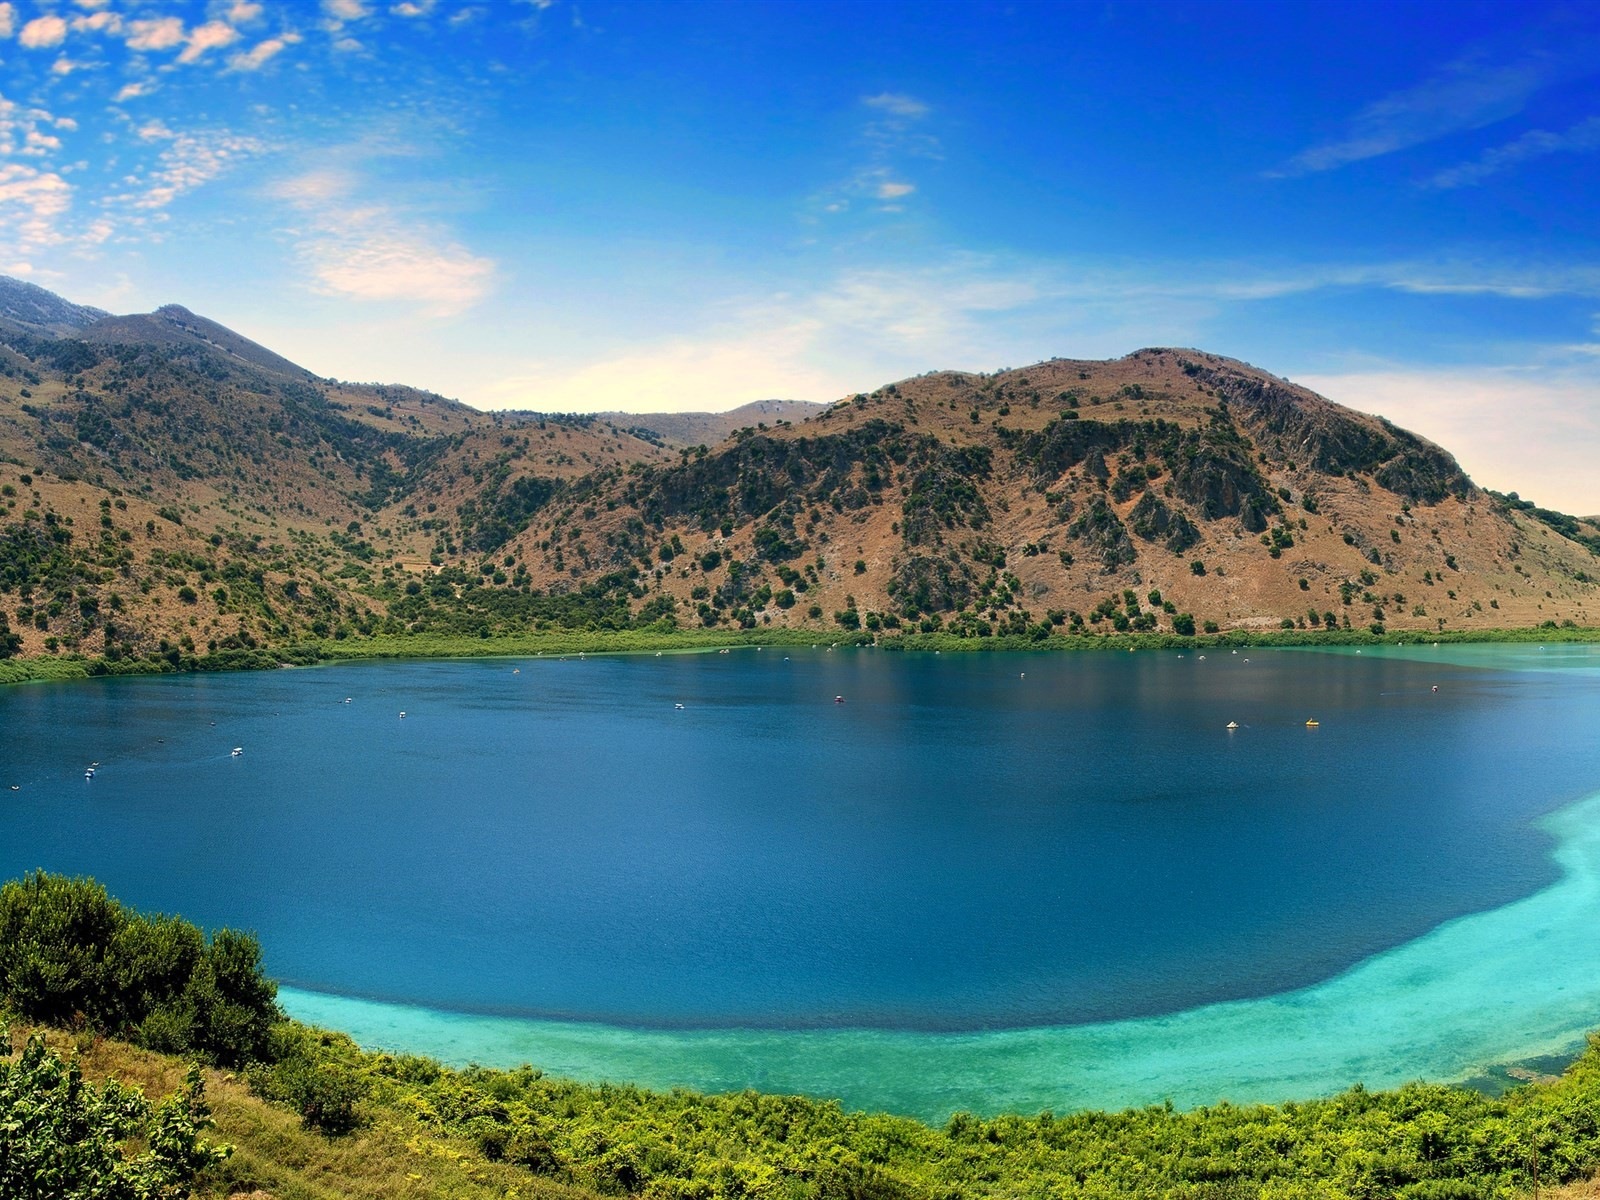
169 487
1241 498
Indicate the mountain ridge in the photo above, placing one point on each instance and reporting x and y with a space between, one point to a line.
170 488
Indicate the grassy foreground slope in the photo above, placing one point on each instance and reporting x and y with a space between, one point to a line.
310 1114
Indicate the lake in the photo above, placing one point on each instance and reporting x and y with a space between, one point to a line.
982 881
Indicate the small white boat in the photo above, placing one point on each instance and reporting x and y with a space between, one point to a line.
677 706
237 751
1232 725
402 714
347 699
88 773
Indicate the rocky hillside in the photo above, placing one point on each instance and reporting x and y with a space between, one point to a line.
169 488
1095 495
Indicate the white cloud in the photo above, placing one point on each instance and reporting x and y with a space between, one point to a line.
8 19
213 35
1532 432
43 32
23 130
262 52
373 252
155 33
345 10
64 66
133 90
31 202
892 190
1536 143
242 12
412 8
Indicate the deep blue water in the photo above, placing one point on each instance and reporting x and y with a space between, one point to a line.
958 846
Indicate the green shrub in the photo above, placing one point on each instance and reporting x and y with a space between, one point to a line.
71 955
318 1075
63 1139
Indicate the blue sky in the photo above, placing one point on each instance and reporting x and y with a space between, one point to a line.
597 204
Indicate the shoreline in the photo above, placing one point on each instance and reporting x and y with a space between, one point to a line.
55 669
1463 1002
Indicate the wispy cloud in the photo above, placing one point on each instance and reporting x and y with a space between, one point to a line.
8 19
898 104
262 52
188 161
1536 143
373 251
104 21
892 137
1473 92
864 327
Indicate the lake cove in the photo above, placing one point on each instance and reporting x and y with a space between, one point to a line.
988 882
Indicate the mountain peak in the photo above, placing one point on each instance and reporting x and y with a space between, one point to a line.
29 308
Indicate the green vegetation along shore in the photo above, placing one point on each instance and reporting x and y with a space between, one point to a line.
643 641
307 1113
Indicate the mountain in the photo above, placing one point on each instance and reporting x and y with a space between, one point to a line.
28 308
1067 494
175 326
170 488
709 428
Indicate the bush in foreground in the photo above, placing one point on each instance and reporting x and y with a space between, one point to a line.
63 1139
70 955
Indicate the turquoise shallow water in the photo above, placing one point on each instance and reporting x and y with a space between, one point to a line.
987 882
1514 983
